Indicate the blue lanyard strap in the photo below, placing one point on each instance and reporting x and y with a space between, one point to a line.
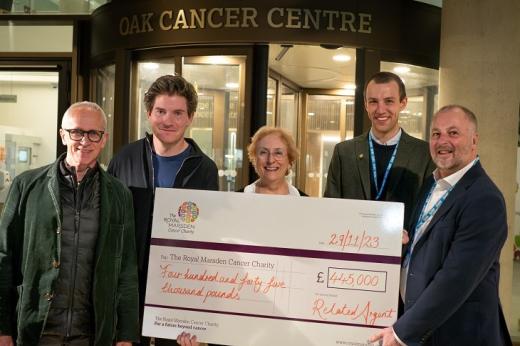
379 191
425 216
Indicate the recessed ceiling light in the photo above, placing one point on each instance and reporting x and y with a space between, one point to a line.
341 58
350 86
401 69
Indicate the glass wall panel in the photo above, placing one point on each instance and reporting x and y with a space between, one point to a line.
28 125
218 123
147 72
104 97
422 86
330 119
271 101
288 119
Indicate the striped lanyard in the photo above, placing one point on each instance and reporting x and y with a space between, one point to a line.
379 191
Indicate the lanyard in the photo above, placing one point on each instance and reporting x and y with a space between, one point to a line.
425 216
379 191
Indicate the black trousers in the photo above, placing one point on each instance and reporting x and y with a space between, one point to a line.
58 340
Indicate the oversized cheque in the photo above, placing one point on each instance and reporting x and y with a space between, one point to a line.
251 269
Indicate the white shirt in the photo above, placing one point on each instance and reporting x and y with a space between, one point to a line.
392 141
251 188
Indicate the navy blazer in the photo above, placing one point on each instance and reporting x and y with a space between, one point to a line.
452 284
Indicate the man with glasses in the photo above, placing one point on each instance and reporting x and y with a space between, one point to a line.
164 158
68 271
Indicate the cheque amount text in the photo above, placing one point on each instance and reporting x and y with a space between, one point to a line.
364 280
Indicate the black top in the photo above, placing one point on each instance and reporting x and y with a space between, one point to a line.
383 154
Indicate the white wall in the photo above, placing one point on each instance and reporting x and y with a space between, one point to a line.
31 38
34 114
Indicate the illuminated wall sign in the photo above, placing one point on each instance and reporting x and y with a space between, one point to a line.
246 17
399 26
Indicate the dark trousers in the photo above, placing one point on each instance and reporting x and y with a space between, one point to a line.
58 340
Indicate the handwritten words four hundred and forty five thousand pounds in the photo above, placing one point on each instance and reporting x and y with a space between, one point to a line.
232 279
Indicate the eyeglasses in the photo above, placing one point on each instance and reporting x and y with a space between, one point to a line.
92 135
276 154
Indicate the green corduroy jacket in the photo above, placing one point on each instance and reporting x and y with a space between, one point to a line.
30 235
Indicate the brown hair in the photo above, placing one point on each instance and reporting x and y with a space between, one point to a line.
387 77
172 85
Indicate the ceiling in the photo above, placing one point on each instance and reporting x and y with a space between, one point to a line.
315 67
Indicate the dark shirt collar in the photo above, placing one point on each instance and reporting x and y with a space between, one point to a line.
69 172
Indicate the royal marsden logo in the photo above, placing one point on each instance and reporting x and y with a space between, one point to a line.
188 212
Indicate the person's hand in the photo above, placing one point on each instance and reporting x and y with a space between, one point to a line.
123 343
185 339
6 340
406 238
385 337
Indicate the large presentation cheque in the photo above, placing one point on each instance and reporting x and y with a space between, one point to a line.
251 269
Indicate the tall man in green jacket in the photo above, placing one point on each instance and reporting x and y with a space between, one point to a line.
68 273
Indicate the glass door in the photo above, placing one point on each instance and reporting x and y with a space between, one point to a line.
220 84
330 120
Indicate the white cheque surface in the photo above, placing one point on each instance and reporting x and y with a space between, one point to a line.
250 269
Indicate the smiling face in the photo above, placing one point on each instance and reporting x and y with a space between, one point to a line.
383 106
271 159
453 141
169 119
82 154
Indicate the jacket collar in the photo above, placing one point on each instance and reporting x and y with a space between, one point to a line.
458 191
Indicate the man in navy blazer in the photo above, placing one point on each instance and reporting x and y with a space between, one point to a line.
450 272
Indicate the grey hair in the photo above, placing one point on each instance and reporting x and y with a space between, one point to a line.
467 112
88 105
